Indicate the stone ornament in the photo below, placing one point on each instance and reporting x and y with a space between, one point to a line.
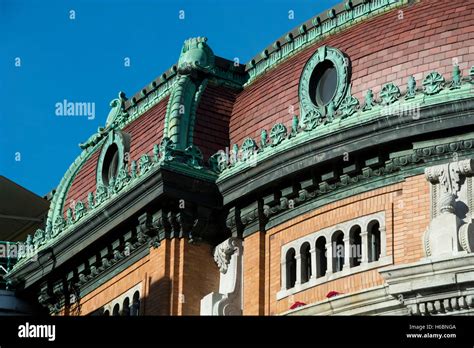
228 301
223 253
447 233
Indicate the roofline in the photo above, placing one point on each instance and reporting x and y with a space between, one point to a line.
341 15
318 27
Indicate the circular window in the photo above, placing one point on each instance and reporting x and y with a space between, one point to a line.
323 83
111 162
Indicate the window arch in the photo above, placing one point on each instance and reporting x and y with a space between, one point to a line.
116 310
373 238
135 304
113 157
106 313
110 164
321 257
126 307
337 251
355 251
290 268
305 262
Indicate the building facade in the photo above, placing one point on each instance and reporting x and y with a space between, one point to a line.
332 174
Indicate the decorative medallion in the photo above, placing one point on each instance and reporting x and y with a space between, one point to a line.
278 133
311 120
389 93
433 83
249 148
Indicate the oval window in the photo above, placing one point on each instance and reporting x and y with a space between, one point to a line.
323 83
111 162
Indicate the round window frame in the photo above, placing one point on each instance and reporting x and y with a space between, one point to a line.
122 141
342 65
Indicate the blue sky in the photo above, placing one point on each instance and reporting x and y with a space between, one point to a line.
82 60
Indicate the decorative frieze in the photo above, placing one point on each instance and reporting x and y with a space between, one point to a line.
80 212
391 101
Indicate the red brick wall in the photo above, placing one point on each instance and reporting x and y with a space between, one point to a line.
383 49
145 131
254 274
407 214
174 276
83 183
211 132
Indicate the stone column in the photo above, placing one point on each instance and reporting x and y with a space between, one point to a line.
383 241
298 269
365 247
330 258
313 263
283 275
347 252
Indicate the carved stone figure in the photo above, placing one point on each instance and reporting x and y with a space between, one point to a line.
228 301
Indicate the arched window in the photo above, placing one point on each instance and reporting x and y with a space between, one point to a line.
290 268
135 304
106 313
116 310
111 164
337 251
373 238
305 262
321 258
126 307
355 246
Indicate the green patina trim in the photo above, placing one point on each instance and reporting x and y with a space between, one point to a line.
316 30
195 62
165 156
391 105
195 104
310 112
122 141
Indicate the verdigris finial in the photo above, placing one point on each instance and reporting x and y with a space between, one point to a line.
411 88
235 153
456 82
196 55
294 126
263 139
369 101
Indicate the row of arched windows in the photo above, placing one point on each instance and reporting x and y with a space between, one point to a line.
337 257
127 308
